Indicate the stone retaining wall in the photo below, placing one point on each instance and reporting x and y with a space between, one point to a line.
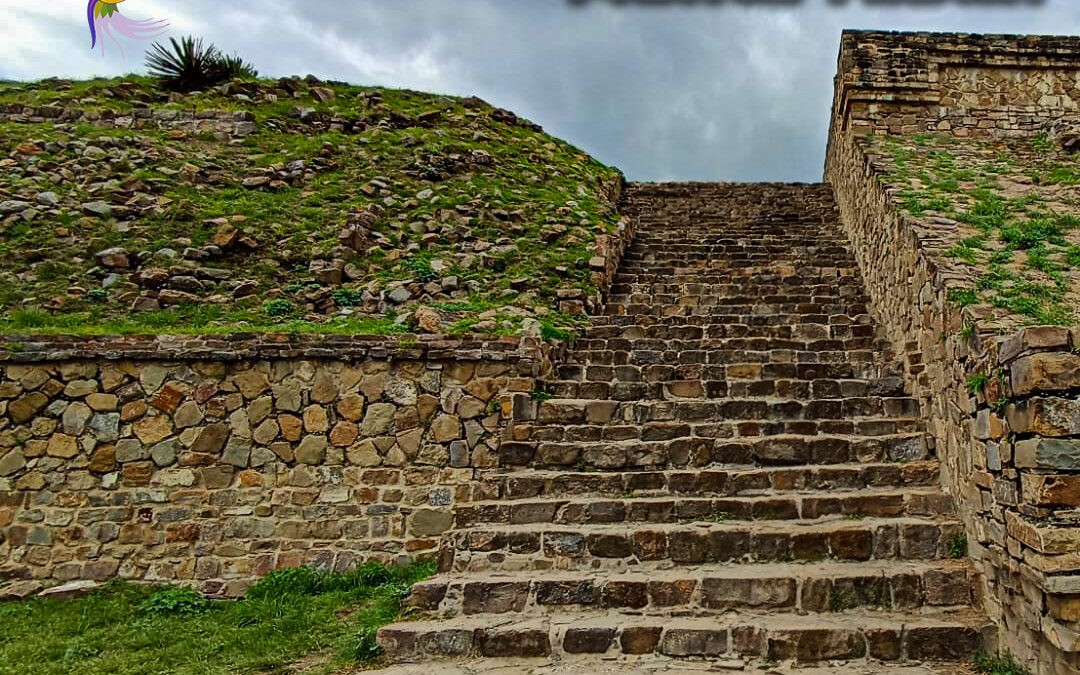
214 460
1003 409
232 123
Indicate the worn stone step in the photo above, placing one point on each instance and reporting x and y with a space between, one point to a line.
717 352
855 408
828 587
861 635
855 366
630 508
770 313
817 338
662 383
716 482
731 325
664 331
619 546
771 450
721 433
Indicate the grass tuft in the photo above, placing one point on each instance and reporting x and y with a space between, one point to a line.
1003 664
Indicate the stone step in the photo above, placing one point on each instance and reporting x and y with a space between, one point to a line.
729 325
793 349
603 412
699 451
774 313
727 254
668 383
620 546
819 352
730 293
862 365
665 332
835 587
714 482
859 635
631 508
730 239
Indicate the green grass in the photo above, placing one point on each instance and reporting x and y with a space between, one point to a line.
1025 249
125 629
1003 664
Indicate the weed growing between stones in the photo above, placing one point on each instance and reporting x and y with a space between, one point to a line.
840 600
977 383
958 545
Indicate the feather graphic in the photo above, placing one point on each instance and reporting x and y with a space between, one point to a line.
106 20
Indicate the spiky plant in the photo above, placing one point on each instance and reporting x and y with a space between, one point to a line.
190 64
233 67
187 66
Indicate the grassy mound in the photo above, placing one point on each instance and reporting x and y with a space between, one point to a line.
345 209
1003 217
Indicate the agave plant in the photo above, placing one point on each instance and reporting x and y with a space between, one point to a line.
191 64
233 67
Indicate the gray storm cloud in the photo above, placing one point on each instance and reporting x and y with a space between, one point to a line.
709 91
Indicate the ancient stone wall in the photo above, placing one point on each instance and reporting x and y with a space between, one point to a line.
232 123
966 85
213 460
1002 409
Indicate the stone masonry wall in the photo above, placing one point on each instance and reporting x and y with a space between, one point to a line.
232 123
966 85
1010 449
214 460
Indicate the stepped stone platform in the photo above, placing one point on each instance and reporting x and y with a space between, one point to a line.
729 468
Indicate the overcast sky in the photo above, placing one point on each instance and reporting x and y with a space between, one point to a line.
711 90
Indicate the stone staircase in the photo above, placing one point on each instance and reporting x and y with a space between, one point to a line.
728 467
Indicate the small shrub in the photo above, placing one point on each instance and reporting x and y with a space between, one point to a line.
175 601
538 394
278 307
97 295
958 545
345 297
1003 664
420 267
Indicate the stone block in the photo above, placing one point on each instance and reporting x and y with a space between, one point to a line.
639 639
495 597
1045 372
592 640
513 642
1048 453
694 642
